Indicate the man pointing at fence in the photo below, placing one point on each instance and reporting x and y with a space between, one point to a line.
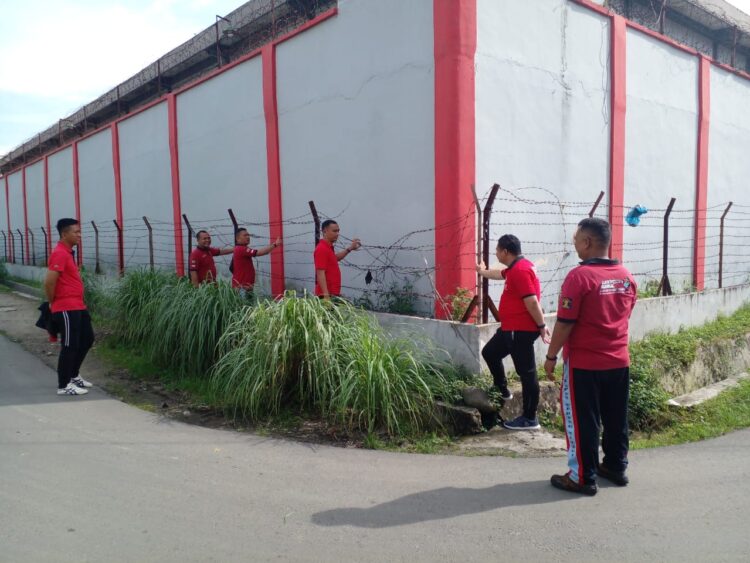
596 300
327 271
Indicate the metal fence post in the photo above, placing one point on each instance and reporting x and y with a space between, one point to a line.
46 247
721 245
5 245
316 220
596 204
665 287
120 248
189 237
486 216
23 253
30 234
97 268
233 219
150 242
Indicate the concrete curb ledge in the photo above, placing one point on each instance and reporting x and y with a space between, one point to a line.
705 393
24 290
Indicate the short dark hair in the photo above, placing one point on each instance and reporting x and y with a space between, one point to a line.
509 243
65 224
198 234
327 223
238 231
598 229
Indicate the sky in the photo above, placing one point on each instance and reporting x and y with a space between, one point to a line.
57 55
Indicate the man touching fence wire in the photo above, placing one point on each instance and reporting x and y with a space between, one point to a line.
202 266
64 290
327 271
242 267
521 323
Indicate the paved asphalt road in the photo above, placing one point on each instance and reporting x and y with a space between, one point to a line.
92 479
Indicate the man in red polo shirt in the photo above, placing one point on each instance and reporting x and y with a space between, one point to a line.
522 322
202 266
596 300
327 271
243 270
64 290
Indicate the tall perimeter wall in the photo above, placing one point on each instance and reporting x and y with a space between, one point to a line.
384 114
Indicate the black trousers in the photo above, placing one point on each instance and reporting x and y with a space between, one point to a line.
520 345
76 338
595 402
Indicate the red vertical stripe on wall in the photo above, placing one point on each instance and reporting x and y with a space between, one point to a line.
617 134
118 194
175 168
9 249
273 163
25 216
701 178
77 194
46 206
455 45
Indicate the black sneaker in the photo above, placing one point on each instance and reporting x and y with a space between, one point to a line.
563 482
617 477
505 394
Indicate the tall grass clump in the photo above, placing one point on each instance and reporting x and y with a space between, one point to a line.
333 360
136 300
187 323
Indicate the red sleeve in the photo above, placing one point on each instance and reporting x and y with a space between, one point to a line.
193 262
251 251
215 251
571 294
320 258
56 262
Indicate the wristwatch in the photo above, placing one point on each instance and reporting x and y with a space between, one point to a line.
553 359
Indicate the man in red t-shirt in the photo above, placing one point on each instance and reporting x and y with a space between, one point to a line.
64 290
202 266
327 271
596 300
242 268
521 323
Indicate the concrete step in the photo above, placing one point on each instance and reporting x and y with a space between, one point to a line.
709 392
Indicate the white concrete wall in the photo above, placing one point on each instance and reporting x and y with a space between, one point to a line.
661 132
222 144
356 128
97 191
35 208
62 201
146 181
15 205
542 125
728 178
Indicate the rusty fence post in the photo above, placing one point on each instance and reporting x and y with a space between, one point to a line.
23 253
235 225
486 216
150 242
46 247
97 267
596 204
5 245
665 288
316 220
189 236
721 245
120 248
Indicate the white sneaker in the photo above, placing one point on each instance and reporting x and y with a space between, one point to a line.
72 389
78 381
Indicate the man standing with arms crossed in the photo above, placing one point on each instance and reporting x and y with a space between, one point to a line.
64 290
596 300
327 271
202 266
522 322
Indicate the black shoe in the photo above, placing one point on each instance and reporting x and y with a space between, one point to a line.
564 483
505 394
617 477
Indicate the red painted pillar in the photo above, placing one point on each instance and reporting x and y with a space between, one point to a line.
25 215
455 45
617 134
175 170
46 206
701 177
118 195
273 163
77 193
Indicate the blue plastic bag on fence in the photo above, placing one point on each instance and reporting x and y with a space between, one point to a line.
634 215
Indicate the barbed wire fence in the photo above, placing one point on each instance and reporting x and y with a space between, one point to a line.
399 274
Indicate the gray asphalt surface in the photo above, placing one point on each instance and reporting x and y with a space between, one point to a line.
92 479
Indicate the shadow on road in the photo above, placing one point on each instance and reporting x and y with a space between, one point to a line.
438 504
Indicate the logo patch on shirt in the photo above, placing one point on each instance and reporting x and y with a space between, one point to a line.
567 303
614 286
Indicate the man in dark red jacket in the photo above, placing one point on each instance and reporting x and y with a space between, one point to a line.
64 290
596 300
